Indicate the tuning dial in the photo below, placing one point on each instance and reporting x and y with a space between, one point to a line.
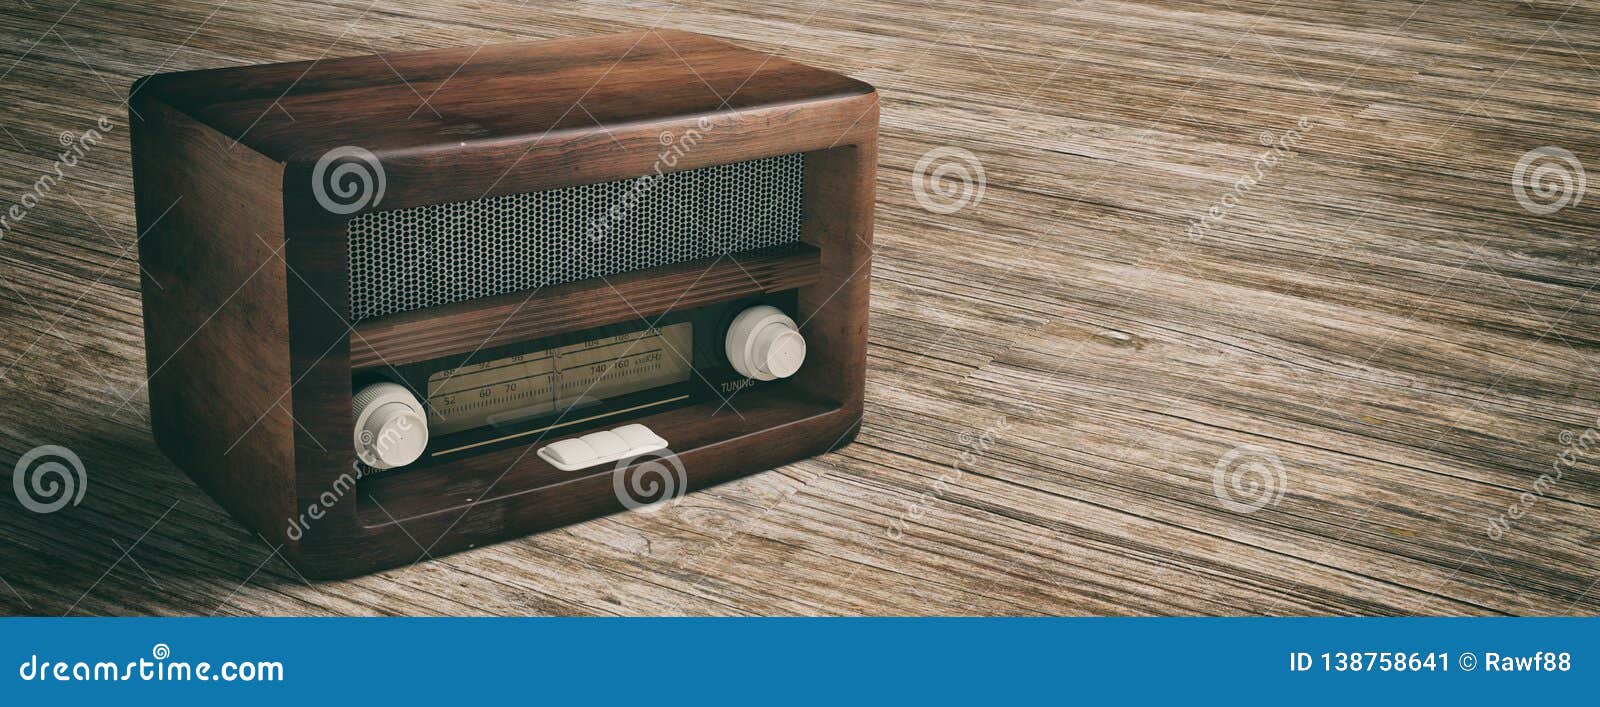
764 344
391 429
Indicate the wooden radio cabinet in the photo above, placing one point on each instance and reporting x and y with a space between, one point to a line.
259 345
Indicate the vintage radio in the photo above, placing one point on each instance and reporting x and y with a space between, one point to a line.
401 305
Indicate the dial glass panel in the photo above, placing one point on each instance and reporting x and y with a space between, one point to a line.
537 383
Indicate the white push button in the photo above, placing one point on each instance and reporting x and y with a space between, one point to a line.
763 343
602 447
605 444
569 452
640 437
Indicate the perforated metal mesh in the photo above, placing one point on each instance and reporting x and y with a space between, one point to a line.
426 256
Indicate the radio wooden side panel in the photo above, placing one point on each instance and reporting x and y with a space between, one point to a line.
210 226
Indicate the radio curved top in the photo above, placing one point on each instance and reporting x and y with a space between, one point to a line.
407 103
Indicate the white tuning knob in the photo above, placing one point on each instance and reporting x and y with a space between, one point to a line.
391 429
764 343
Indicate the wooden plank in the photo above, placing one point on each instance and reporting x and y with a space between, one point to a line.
1377 311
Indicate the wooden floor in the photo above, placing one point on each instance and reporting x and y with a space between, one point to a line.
1245 318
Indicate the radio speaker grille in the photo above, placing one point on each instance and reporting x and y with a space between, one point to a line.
409 259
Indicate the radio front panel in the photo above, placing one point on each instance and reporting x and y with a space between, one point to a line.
440 261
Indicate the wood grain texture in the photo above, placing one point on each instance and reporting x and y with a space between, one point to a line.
217 335
1377 311
489 93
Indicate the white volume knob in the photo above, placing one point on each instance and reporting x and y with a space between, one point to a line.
764 343
391 429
